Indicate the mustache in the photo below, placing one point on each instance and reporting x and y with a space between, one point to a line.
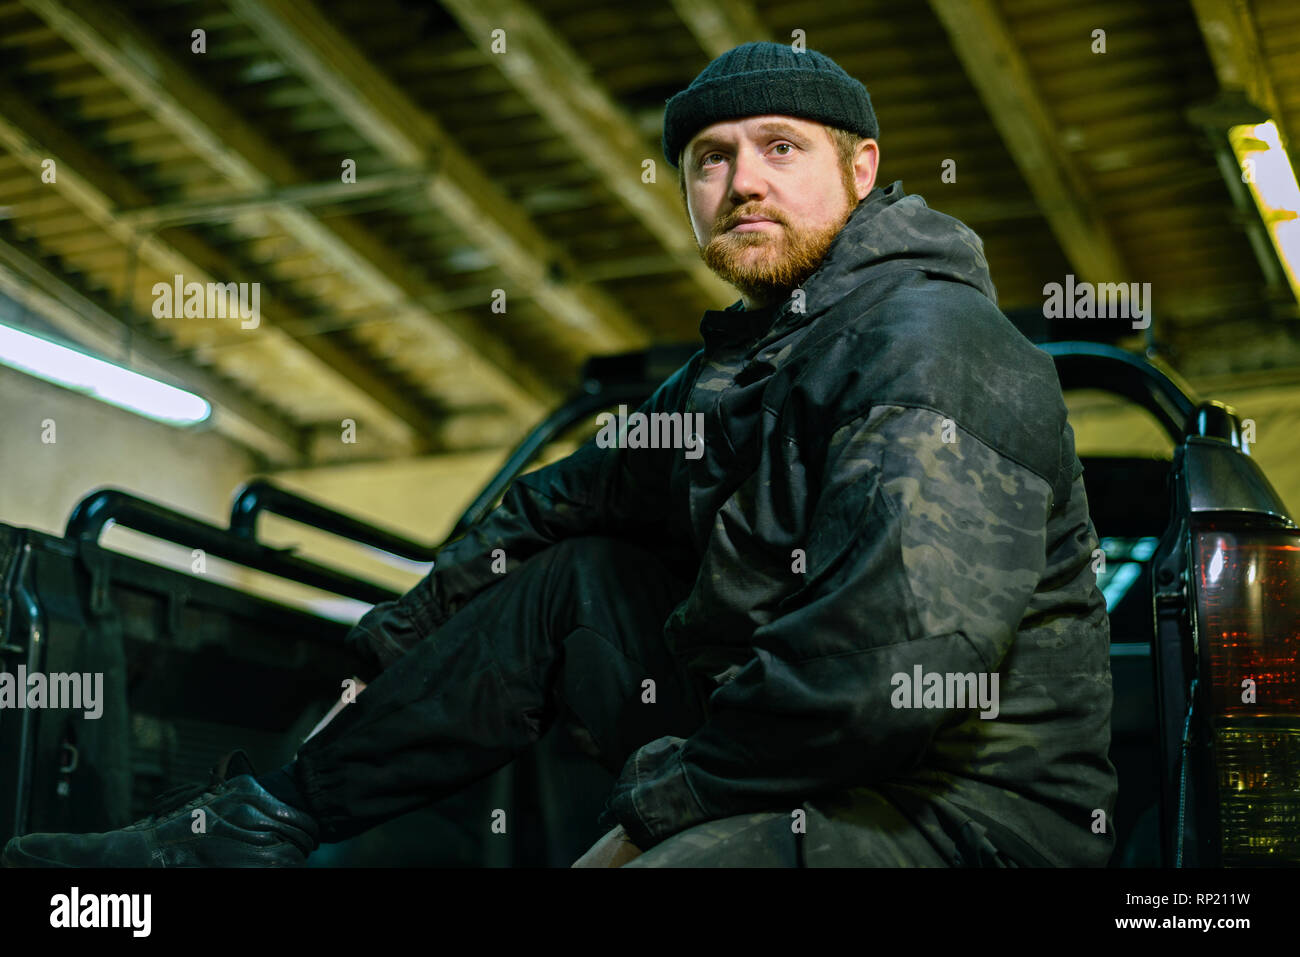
733 220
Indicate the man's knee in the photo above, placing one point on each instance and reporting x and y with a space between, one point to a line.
764 839
600 556
857 827
860 827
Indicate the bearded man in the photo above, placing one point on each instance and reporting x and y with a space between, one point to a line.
861 629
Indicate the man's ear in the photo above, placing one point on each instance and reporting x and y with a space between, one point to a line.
866 162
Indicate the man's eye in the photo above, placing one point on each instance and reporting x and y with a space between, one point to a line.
786 145
704 160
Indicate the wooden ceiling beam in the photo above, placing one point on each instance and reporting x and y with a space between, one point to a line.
231 206
1238 58
408 136
214 132
999 73
550 75
721 25
98 191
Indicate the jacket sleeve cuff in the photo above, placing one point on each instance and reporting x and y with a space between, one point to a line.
652 798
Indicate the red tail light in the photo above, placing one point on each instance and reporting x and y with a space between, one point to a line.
1248 630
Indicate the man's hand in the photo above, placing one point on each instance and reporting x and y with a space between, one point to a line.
613 850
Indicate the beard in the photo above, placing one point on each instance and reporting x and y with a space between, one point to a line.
765 265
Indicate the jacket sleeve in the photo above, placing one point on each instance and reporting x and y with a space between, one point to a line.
924 548
608 491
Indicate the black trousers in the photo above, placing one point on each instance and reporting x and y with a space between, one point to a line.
576 631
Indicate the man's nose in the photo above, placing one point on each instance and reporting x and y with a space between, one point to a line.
748 180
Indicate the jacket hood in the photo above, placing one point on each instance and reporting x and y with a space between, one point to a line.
892 229
889 231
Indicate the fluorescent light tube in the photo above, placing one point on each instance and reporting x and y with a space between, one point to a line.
1267 170
100 379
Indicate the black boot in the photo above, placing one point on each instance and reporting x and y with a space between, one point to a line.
242 825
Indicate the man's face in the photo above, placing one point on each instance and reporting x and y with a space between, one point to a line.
779 169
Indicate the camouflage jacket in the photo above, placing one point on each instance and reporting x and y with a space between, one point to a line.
888 512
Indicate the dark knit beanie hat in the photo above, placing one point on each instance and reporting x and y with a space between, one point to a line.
756 79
